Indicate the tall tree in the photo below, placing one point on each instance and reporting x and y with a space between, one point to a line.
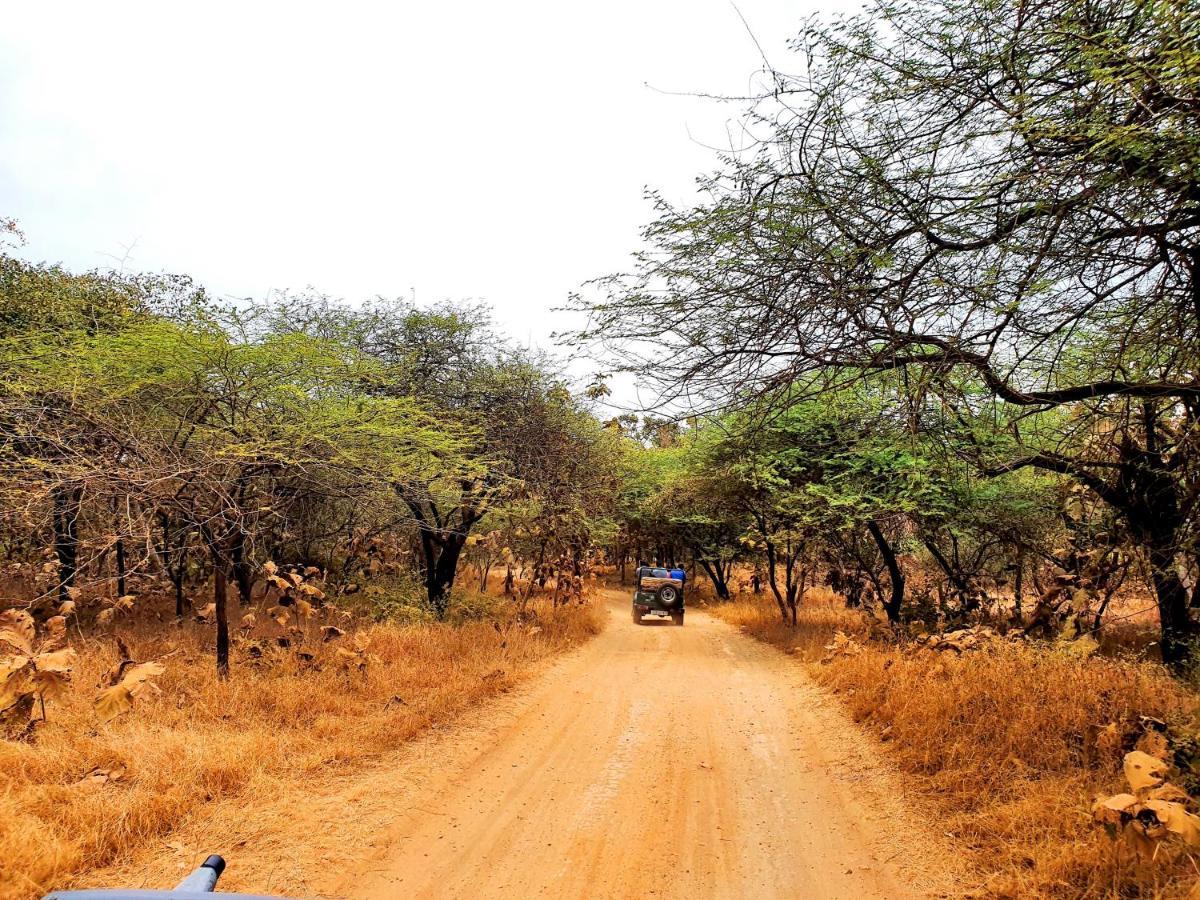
1004 204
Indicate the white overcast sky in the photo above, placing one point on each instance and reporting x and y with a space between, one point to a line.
465 150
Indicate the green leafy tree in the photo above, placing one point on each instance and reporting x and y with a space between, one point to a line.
1000 205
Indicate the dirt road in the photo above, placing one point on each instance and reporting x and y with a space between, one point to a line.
655 761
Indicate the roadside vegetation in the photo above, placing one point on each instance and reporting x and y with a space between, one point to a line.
1010 742
88 794
243 543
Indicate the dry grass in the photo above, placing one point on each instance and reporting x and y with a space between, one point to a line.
199 740
998 739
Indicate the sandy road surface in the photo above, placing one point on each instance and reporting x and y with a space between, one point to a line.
654 761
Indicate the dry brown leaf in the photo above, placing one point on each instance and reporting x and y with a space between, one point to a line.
1170 793
100 775
1143 771
118 699
1113 810
113 701
1177 820
841 645
206 613
55 661
66 608
105 616
15 716
248 621
10 666
124 603
16 630
137 676
270 568
15 684
50 685
331 632
54 632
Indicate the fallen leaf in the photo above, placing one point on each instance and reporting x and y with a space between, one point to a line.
1143 771
103 776
1176 820
1113 810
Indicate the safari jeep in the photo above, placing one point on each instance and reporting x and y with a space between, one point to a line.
657 594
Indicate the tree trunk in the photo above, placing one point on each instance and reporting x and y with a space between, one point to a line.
177 580
439 577
790 582
1018 586
772 560
66 536
1153 510
956 580
716 575
241 568
1178 630
222 615
893 605
120 558
173 554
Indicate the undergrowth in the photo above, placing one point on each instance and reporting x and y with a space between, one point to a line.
83 794
1001 739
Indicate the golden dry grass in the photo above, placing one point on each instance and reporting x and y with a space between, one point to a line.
198 739
997 740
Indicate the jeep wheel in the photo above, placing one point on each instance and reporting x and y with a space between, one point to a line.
668 594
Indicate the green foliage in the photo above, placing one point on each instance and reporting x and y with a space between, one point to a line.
189 437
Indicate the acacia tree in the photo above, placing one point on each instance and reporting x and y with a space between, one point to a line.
526 437
1003 205
204 419
46 442
707 519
